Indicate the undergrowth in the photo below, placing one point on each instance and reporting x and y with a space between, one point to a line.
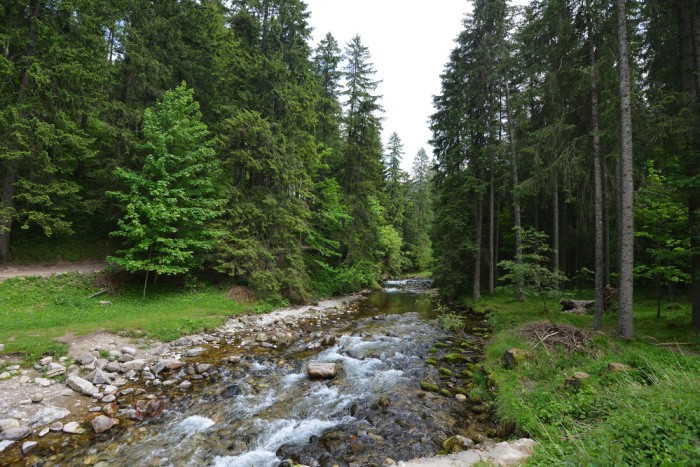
648 414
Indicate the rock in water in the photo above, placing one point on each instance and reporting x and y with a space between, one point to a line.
15 434
319 370
73 428
28 446
102 423
78 384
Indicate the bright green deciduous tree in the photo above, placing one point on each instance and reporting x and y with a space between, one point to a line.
170 201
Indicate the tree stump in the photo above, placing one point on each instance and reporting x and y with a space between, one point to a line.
577 307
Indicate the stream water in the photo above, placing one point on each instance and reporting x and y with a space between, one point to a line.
265 410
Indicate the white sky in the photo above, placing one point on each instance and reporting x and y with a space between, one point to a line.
410 42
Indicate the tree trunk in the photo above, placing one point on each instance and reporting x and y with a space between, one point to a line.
606 226
492 272
478 223
625 326
516 196
598 189
555 225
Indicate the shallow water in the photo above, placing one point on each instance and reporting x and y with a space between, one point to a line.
266 410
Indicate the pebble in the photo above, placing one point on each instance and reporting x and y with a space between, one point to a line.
194 352
109 398
37 397
95 409
129 350
57 426
184 386
73 428
44 432
28 446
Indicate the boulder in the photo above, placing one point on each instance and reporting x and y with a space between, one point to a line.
48 415
28 446
135 365
194 352
81 385
112 367
99 377
456 444
108 398
169 364
129 350
16 434
8 424
102 423
5 444
203 367
85 358
514 356
320 370
73 428
46 360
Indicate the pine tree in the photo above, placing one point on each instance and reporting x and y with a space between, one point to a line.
169 203
395 184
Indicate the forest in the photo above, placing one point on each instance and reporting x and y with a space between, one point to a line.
193 136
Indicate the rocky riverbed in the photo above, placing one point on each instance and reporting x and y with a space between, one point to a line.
248 394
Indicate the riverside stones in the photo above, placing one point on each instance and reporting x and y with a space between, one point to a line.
85 358
48 415
203 367
8 424
102 423
113 367
129 351
135 365
28 446
320 370
99 377
37 397
81 385
16 434
73 428
169 364
194 352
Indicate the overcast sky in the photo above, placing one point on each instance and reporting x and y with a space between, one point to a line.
410 42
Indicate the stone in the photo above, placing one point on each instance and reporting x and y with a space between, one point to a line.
203 367
126 392
8 424
320 370
16 434
5 375
85 358
45 360
180 342
81 385
13 368
514 356
129 351
28 446
2 347
134 365
37 397
73 428
456 444
5 444
169 364
102 423
56 427
461 397
194 352
114 355
126 358
110 409
48 415
24 379
109 398
119 382
576 379
388 462
184 386
261 337
95 409
109 389
99 377
43 382
44 432
618 367
112 367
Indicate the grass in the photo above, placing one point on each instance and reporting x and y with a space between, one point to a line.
35 311
648 415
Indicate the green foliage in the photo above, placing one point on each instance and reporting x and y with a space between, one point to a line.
170 202
533 276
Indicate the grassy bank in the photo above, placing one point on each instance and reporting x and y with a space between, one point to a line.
35 311
647 414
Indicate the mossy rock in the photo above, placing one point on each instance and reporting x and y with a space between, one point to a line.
432 361
461 390
455 359
470 345
430 387
479 409
468 374
442 345
483 418
457 444
514 356
476 398
433 350
446 392
445 372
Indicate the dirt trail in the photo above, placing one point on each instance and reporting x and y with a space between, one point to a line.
45 270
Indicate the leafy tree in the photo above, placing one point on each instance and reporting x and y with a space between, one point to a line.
170 202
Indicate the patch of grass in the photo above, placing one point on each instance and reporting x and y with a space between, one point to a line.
35 311
647 415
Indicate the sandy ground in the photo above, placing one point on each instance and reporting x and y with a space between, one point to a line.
45 270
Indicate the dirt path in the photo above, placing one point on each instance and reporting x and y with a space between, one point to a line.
44 270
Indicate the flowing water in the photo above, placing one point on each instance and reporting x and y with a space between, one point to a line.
265 410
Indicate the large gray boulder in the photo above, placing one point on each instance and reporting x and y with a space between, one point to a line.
83 386
48 415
